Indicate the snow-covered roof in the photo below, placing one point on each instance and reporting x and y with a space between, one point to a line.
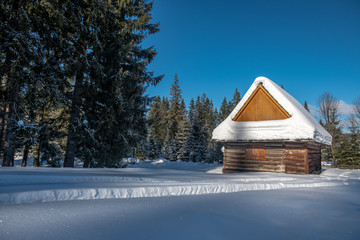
299 126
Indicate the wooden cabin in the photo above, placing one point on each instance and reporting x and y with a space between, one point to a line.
270 131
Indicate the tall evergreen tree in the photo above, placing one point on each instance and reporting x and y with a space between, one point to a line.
191 114
117 78
155 118
348 152
28 53
234 101
223 110
79 64
176 115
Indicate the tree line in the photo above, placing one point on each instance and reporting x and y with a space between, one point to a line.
188 133
177 132
73 78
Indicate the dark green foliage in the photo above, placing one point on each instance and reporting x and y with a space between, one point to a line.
119 80
227 107
177 112
223 110
348 152
188 134
194 148
234 101
175 116
155 146
75 68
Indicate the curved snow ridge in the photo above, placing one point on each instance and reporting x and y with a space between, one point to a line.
89 179
148 191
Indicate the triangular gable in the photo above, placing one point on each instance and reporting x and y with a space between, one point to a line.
261 106
297 125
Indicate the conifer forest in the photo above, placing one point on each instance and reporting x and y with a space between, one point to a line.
74 76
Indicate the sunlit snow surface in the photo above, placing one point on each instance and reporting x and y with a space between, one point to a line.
176 200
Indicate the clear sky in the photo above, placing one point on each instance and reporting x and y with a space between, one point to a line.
217 46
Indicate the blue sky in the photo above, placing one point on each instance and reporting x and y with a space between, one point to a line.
217 46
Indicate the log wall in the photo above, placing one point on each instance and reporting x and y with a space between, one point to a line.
287 157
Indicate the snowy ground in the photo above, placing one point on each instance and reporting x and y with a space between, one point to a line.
174 200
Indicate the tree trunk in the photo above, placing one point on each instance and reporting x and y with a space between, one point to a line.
74 118
25 155
36 162
333 152
10 138
86 163
12 158
2 130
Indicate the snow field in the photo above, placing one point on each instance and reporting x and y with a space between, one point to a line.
152 179
166 200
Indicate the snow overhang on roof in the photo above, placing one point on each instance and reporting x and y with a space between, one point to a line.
300 126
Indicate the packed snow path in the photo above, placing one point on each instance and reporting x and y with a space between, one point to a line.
29 185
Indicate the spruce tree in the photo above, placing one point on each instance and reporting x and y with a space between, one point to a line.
176 115
223 110
194 148
21 46
176 112
155 118
191 114
234 101
115 109
348 152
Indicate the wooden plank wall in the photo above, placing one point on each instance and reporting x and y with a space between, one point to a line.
288 157
314 157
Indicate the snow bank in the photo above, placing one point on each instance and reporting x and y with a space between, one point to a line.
29 185
300 126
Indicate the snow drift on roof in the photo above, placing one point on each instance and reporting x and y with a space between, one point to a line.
300 126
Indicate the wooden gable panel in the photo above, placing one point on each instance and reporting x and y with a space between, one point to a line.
261 106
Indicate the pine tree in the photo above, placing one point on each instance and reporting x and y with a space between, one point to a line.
78 33
176 115
348 152
181 136
191 114
115 77
154 146
223 110
155 118
234 101
194 148
22 51
164 121
79 64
